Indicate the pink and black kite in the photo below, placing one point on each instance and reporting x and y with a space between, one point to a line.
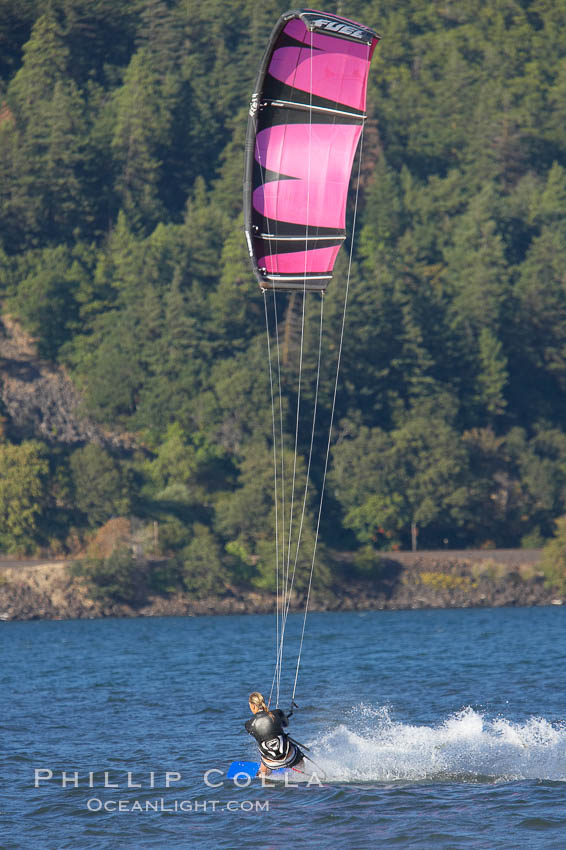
306 117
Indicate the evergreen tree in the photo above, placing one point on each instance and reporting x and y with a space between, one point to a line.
143 119
100 488
16 19
493 375
47 296
45 147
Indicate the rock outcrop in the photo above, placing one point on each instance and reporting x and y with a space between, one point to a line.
39 399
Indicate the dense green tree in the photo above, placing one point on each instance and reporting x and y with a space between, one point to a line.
247 519
100 37
539 355
45 63
554 557
203 571
142 124
392 485
23 495
542 468
100 488
493 373
44 149
191 468
497 502
47 295
16 20
160 32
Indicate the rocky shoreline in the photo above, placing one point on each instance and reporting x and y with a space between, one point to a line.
403 580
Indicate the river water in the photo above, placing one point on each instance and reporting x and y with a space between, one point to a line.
430 729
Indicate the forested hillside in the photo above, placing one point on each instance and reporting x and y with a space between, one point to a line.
122 253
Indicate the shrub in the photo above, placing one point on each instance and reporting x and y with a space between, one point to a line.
118 578
173 535
490 569
367 563
554 558
165 577
445 581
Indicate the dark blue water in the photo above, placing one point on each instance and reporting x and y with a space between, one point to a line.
435 729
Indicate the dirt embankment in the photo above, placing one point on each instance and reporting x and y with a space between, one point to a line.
33 590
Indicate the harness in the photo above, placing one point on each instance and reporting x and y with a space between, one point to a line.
278 749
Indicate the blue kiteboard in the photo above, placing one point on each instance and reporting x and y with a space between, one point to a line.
250 768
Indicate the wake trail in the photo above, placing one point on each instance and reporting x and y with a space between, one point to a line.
467 746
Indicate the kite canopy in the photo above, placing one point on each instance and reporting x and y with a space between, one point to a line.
306 118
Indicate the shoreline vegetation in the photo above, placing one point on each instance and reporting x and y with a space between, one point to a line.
52 590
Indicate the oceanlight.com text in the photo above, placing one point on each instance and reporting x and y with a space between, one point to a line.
184 806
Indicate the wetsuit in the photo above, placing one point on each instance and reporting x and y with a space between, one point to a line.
275 747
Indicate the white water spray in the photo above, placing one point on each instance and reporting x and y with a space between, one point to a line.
467 746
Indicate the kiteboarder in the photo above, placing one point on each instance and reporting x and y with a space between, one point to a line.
276 748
